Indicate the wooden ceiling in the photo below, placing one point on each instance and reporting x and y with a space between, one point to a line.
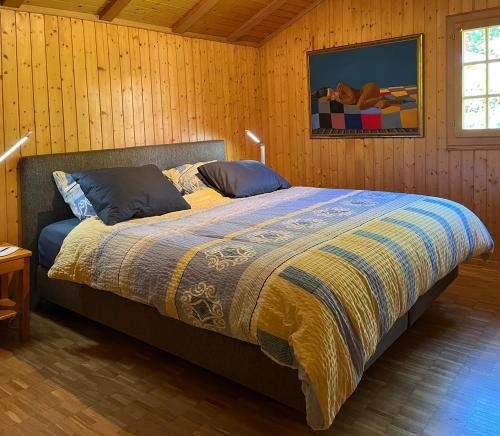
250 22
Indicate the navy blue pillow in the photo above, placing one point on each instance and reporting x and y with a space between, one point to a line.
242 178
119 194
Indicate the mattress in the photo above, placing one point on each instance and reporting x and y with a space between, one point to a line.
51 239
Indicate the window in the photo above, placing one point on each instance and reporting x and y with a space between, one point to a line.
473 79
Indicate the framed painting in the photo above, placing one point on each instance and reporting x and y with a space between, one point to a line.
366 90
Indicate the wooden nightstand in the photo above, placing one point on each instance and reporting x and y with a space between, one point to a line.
17 261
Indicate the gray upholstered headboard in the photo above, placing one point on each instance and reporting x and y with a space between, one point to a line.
41 203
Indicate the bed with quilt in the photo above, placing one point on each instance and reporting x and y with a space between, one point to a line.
314 277
294 284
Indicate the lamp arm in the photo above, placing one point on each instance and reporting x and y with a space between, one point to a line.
17 145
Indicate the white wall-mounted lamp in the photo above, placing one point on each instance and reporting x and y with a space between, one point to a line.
255 139
15 147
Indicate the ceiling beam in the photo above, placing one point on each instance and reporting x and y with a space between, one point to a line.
12 3
193 15
256 19
113 9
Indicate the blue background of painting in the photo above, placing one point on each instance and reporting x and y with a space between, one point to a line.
390 64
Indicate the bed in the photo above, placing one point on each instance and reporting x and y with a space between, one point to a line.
249 349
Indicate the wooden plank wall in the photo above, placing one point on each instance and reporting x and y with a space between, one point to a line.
85 85
410 165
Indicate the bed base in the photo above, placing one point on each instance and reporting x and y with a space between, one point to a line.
239 361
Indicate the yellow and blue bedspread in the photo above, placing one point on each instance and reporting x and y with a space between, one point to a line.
314 276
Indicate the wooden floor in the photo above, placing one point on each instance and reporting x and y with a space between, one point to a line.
76 377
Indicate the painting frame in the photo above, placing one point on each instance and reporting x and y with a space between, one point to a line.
419 133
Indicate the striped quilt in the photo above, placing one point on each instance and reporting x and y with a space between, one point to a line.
314 276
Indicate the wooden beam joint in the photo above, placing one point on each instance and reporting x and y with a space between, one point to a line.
193 15
113 9
12 3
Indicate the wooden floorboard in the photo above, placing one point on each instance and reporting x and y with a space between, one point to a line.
77 377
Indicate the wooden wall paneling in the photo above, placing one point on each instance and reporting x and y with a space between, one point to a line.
126 83
286 108
264 98
68 92
378 152
266 113
359 152
268 76
277 103
493 170
213 88
234 89
466 158
92 85
227 61
80 76
256 105
422 165
10 117
280 102
437 175
349 38
115 80
398 161
3 166
240 124
480 182
419 19
388 167
291 115
205 90
219 66
408 143
104 89
154 56
308 156
165 88
174 93
331 148
181 87
25 83
40 84
81 84
137 94
190 89
56 119
336 39
322 41
147 98
367 32
297 70
243 119
198 89
455 160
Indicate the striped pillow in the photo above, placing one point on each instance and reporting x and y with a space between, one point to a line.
73 195
186 178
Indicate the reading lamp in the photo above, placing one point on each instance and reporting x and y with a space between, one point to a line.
257 141
15 147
